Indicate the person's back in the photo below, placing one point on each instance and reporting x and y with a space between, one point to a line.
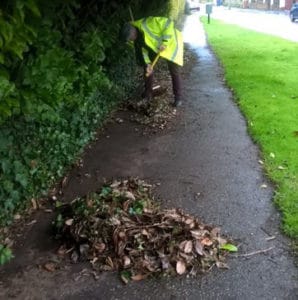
154 37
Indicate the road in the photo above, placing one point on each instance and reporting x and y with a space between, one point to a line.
274 23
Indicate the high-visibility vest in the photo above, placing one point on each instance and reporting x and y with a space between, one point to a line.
159 31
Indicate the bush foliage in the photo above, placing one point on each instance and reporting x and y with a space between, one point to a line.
62 70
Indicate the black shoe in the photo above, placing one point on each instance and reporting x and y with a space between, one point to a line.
177 102
147 96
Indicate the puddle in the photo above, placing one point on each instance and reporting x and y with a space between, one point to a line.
194 35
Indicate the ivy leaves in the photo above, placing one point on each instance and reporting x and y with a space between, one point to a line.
59 78
5 254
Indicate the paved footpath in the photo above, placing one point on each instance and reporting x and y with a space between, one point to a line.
207 150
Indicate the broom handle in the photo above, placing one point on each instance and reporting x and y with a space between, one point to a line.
154 61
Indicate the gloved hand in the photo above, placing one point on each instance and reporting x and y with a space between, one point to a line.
149 70
162 48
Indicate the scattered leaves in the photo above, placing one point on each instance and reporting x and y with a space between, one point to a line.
123 228
158 112
50 267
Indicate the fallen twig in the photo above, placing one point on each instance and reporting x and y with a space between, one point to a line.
270 238
253 253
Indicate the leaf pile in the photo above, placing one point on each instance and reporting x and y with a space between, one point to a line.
158 112
123 228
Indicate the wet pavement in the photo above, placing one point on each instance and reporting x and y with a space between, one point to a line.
206 164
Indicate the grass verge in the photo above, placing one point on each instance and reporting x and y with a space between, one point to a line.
262 72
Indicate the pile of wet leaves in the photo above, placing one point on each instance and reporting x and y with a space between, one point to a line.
123 228
158 112
155 114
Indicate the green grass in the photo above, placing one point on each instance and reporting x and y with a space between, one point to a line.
263 72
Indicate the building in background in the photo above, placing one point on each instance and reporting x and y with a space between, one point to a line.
257 4
268 4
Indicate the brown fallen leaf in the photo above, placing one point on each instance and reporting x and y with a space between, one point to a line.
109 262
61 251
64 181
130 196
124 279
100 247
34 204
206 242
222 265
180 267
138 277
69 222
186 246
221 241
126 261
165 264
74 257
119 120
94 260
215 231
49 266
31 222
105 268
197 234
188 221
199 247
126 205
17 216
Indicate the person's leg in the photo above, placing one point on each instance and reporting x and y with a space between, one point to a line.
148 85
177 82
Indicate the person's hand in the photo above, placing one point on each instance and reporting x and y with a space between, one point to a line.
162 48
149 70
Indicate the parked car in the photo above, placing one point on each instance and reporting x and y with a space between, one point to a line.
193 4
294 12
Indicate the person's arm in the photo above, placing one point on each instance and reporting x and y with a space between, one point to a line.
147 61
166 34
146 57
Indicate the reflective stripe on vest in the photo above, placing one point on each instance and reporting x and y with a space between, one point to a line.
156 37
166 37
176 48
147 30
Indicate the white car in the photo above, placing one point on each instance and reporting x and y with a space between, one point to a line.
193 4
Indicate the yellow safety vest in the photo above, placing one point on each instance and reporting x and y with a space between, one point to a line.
161 31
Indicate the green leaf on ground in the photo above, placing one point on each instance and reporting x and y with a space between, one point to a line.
229 247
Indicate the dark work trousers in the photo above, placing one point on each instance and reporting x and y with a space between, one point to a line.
174 70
